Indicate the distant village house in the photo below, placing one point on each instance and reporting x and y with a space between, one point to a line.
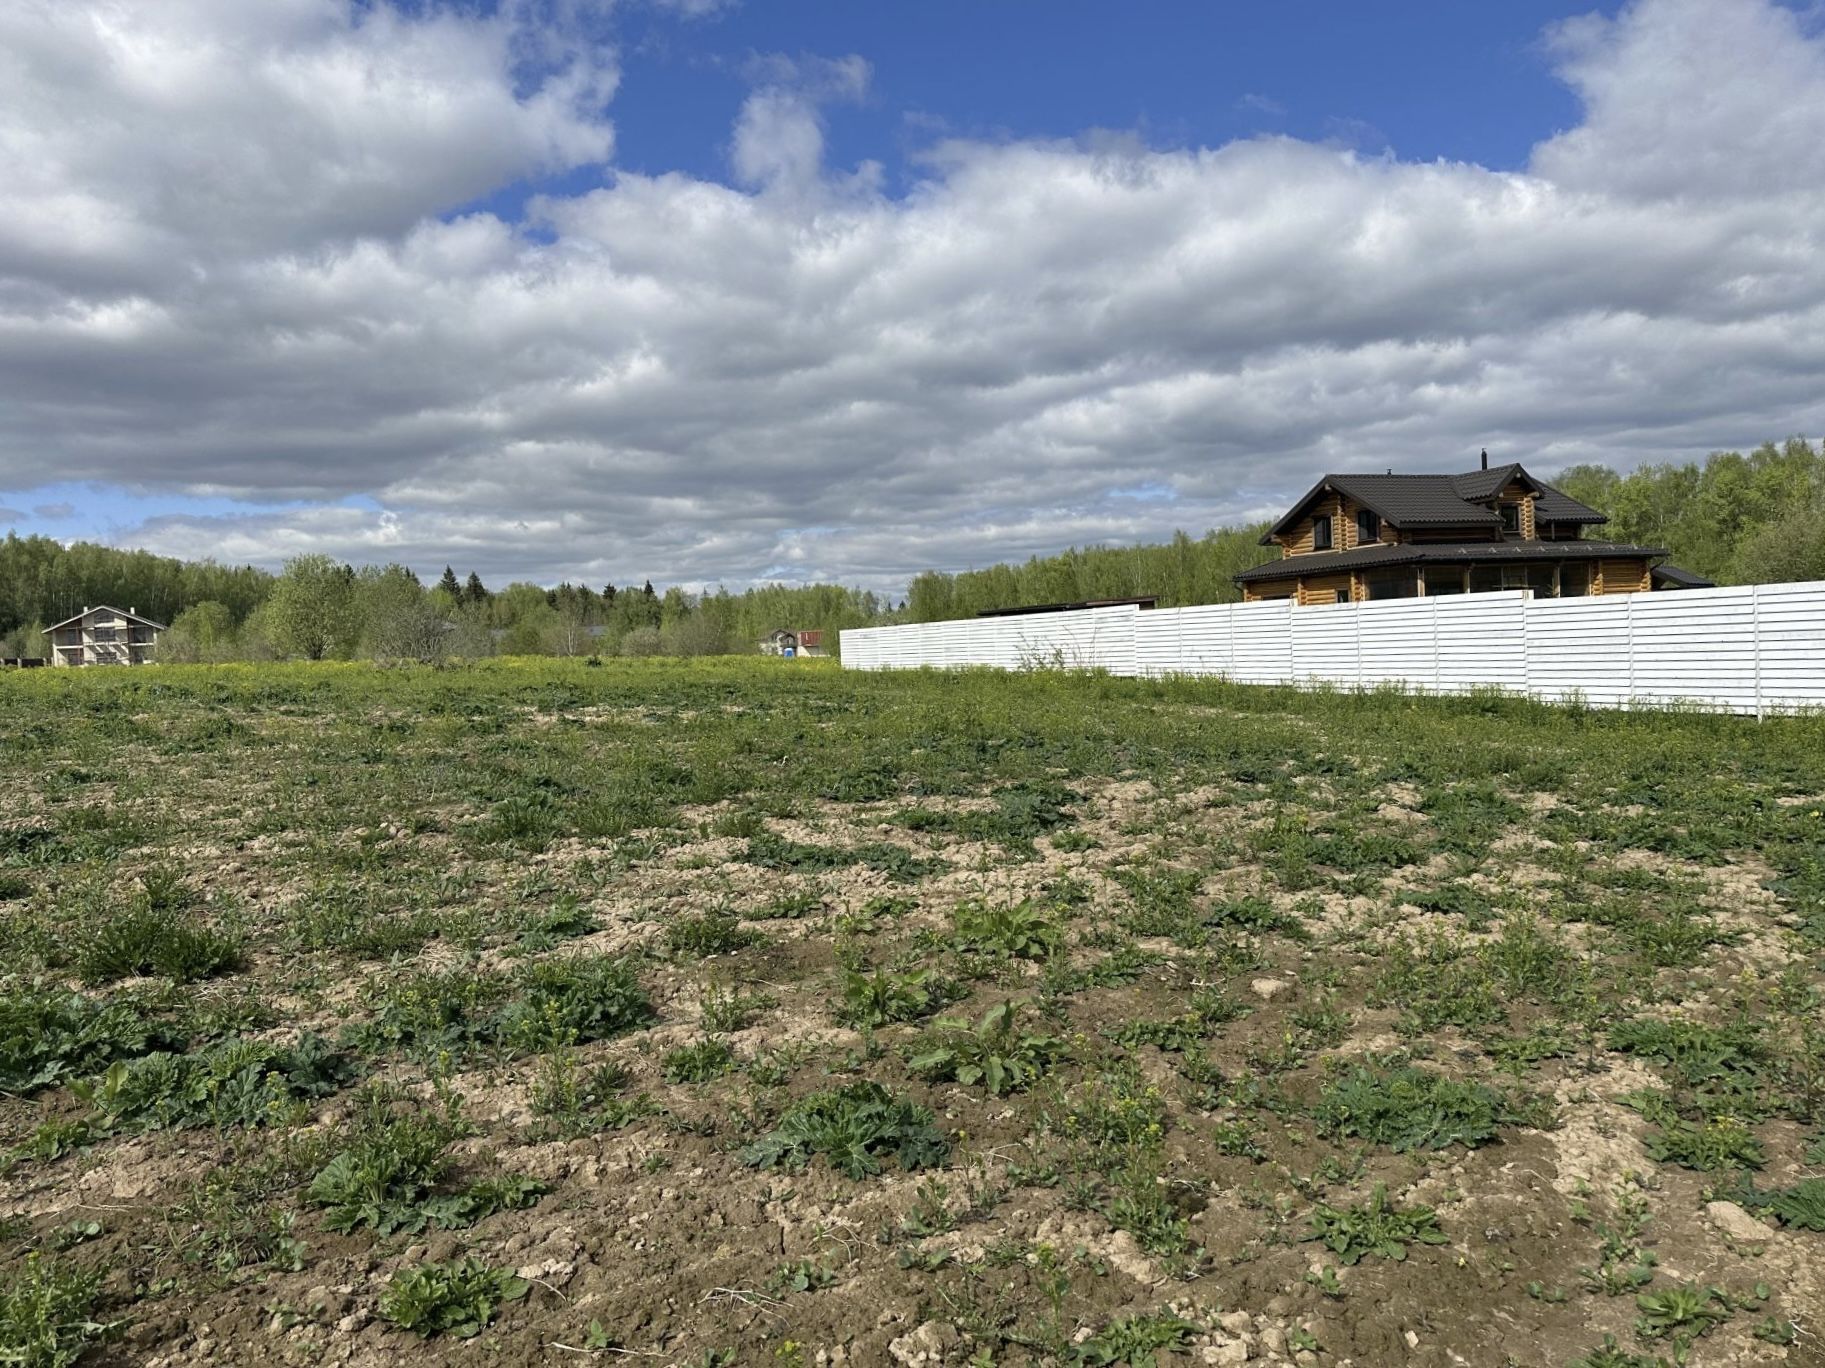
104 636
785 642
1355 538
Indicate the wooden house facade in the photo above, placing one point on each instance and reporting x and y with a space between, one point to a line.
1356 538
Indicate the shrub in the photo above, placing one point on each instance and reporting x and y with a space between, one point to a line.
459 1299
853 1127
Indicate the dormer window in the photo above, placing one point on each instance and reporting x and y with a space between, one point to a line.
1511 519
1321 532
1368 526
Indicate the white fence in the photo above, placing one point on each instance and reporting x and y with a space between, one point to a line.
1752 650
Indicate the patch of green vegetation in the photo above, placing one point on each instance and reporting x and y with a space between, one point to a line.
460 1299
391 1176
699 1062
49 1034
148 939
1720 1144
882 997
1004 930
1801 1206
1380 1228
1133 1340
993 1052
853 1127
47 1313
1411 1108
1022 812
233 1083
896 862
712 933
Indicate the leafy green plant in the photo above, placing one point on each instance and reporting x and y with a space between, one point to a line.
1410 1108
460 1299
48 1034
993 1051
147 939
391 1176
572 1000
1017 930
853 1127
882 997
47 1313
1379 1228
1719 1144
1609 1354
1133 1339
234 1083
801 1275
1688 1312
712 933
1801 1206
698 1062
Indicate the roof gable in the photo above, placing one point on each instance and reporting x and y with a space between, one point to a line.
107 608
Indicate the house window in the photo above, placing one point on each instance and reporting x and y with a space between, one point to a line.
1368 526
1321 532
1511 518
1574 580
1343 596
1397 584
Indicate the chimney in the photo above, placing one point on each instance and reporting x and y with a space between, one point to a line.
1485 458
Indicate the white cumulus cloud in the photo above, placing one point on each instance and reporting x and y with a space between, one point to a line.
235 260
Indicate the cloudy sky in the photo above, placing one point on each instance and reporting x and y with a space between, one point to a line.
730 290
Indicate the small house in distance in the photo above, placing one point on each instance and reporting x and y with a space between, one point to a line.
1353 538
783 641
104 636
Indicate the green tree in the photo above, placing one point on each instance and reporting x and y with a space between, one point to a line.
314 611
400 621
451 585
203 633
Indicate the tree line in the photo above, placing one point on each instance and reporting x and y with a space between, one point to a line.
1733 518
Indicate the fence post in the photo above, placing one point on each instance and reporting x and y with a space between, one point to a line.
1356 614
1755 642
1629 702
1527 673
1438 670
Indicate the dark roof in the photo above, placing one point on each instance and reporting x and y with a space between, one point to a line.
1144 601
1447 553
1683 579
1441 500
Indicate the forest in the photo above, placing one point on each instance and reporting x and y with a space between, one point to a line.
1737 519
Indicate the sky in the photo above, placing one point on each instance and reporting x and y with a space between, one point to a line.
730 291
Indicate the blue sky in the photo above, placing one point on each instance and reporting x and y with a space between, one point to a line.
715 290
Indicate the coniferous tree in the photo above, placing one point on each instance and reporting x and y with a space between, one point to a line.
451 586
475 593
